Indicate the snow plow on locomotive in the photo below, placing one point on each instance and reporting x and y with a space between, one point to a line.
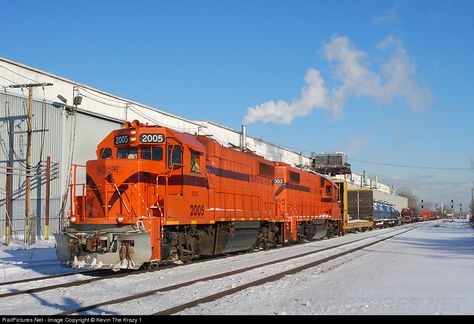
155 194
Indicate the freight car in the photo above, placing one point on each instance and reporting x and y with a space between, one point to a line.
386 215
356 207
427 214
407 215
155 194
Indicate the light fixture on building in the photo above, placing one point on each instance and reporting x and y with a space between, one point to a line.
62 98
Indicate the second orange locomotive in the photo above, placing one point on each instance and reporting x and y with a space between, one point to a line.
155 194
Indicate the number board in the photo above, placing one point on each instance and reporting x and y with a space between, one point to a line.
278 181
152 138
121 139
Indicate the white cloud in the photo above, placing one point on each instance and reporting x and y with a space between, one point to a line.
395 78
388 16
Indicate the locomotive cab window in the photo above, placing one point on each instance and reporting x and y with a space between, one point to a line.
105 153
174 156
127 153
195 162
152 153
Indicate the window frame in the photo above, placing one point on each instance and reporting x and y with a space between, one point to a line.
267 170
291 176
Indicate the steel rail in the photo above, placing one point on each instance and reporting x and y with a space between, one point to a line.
229 273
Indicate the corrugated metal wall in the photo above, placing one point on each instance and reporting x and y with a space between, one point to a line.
47 127
57 132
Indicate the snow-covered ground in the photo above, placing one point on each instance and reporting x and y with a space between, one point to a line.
428 270
20 261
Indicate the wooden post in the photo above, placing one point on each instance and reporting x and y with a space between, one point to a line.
28 165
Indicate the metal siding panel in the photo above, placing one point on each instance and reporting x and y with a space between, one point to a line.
13 112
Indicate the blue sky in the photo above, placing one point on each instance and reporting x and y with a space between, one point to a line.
384 81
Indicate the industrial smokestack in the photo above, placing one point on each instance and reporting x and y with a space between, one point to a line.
243 138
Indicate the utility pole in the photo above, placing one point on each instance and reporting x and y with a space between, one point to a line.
472 202
472 205
452 210
8 189
30 87
48 190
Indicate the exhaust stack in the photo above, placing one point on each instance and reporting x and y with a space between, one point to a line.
243 138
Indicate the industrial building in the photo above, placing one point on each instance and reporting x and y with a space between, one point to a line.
68 120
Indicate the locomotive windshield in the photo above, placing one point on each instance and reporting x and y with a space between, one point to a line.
146 153
152 153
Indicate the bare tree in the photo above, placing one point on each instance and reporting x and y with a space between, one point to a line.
407 193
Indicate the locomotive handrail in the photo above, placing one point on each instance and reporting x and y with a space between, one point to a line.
73 193
166 176
121 198
143 201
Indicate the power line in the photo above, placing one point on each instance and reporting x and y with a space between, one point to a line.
25 77
413 166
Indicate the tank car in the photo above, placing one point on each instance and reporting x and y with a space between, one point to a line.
385 214
154 194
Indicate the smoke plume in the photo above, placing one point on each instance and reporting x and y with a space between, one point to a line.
353 76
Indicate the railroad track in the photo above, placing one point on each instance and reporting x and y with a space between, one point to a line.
334 252
59 275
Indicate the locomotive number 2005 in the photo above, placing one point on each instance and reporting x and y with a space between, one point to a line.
196 210
121 139
152 138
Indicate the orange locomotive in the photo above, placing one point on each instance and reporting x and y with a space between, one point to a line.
155 194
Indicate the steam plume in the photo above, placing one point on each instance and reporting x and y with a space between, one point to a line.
395 78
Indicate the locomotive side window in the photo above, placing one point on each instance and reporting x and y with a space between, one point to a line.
266 170
105 153
170 149
322 182
294 177
152 153
174 156
195 162
328 190
157 153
